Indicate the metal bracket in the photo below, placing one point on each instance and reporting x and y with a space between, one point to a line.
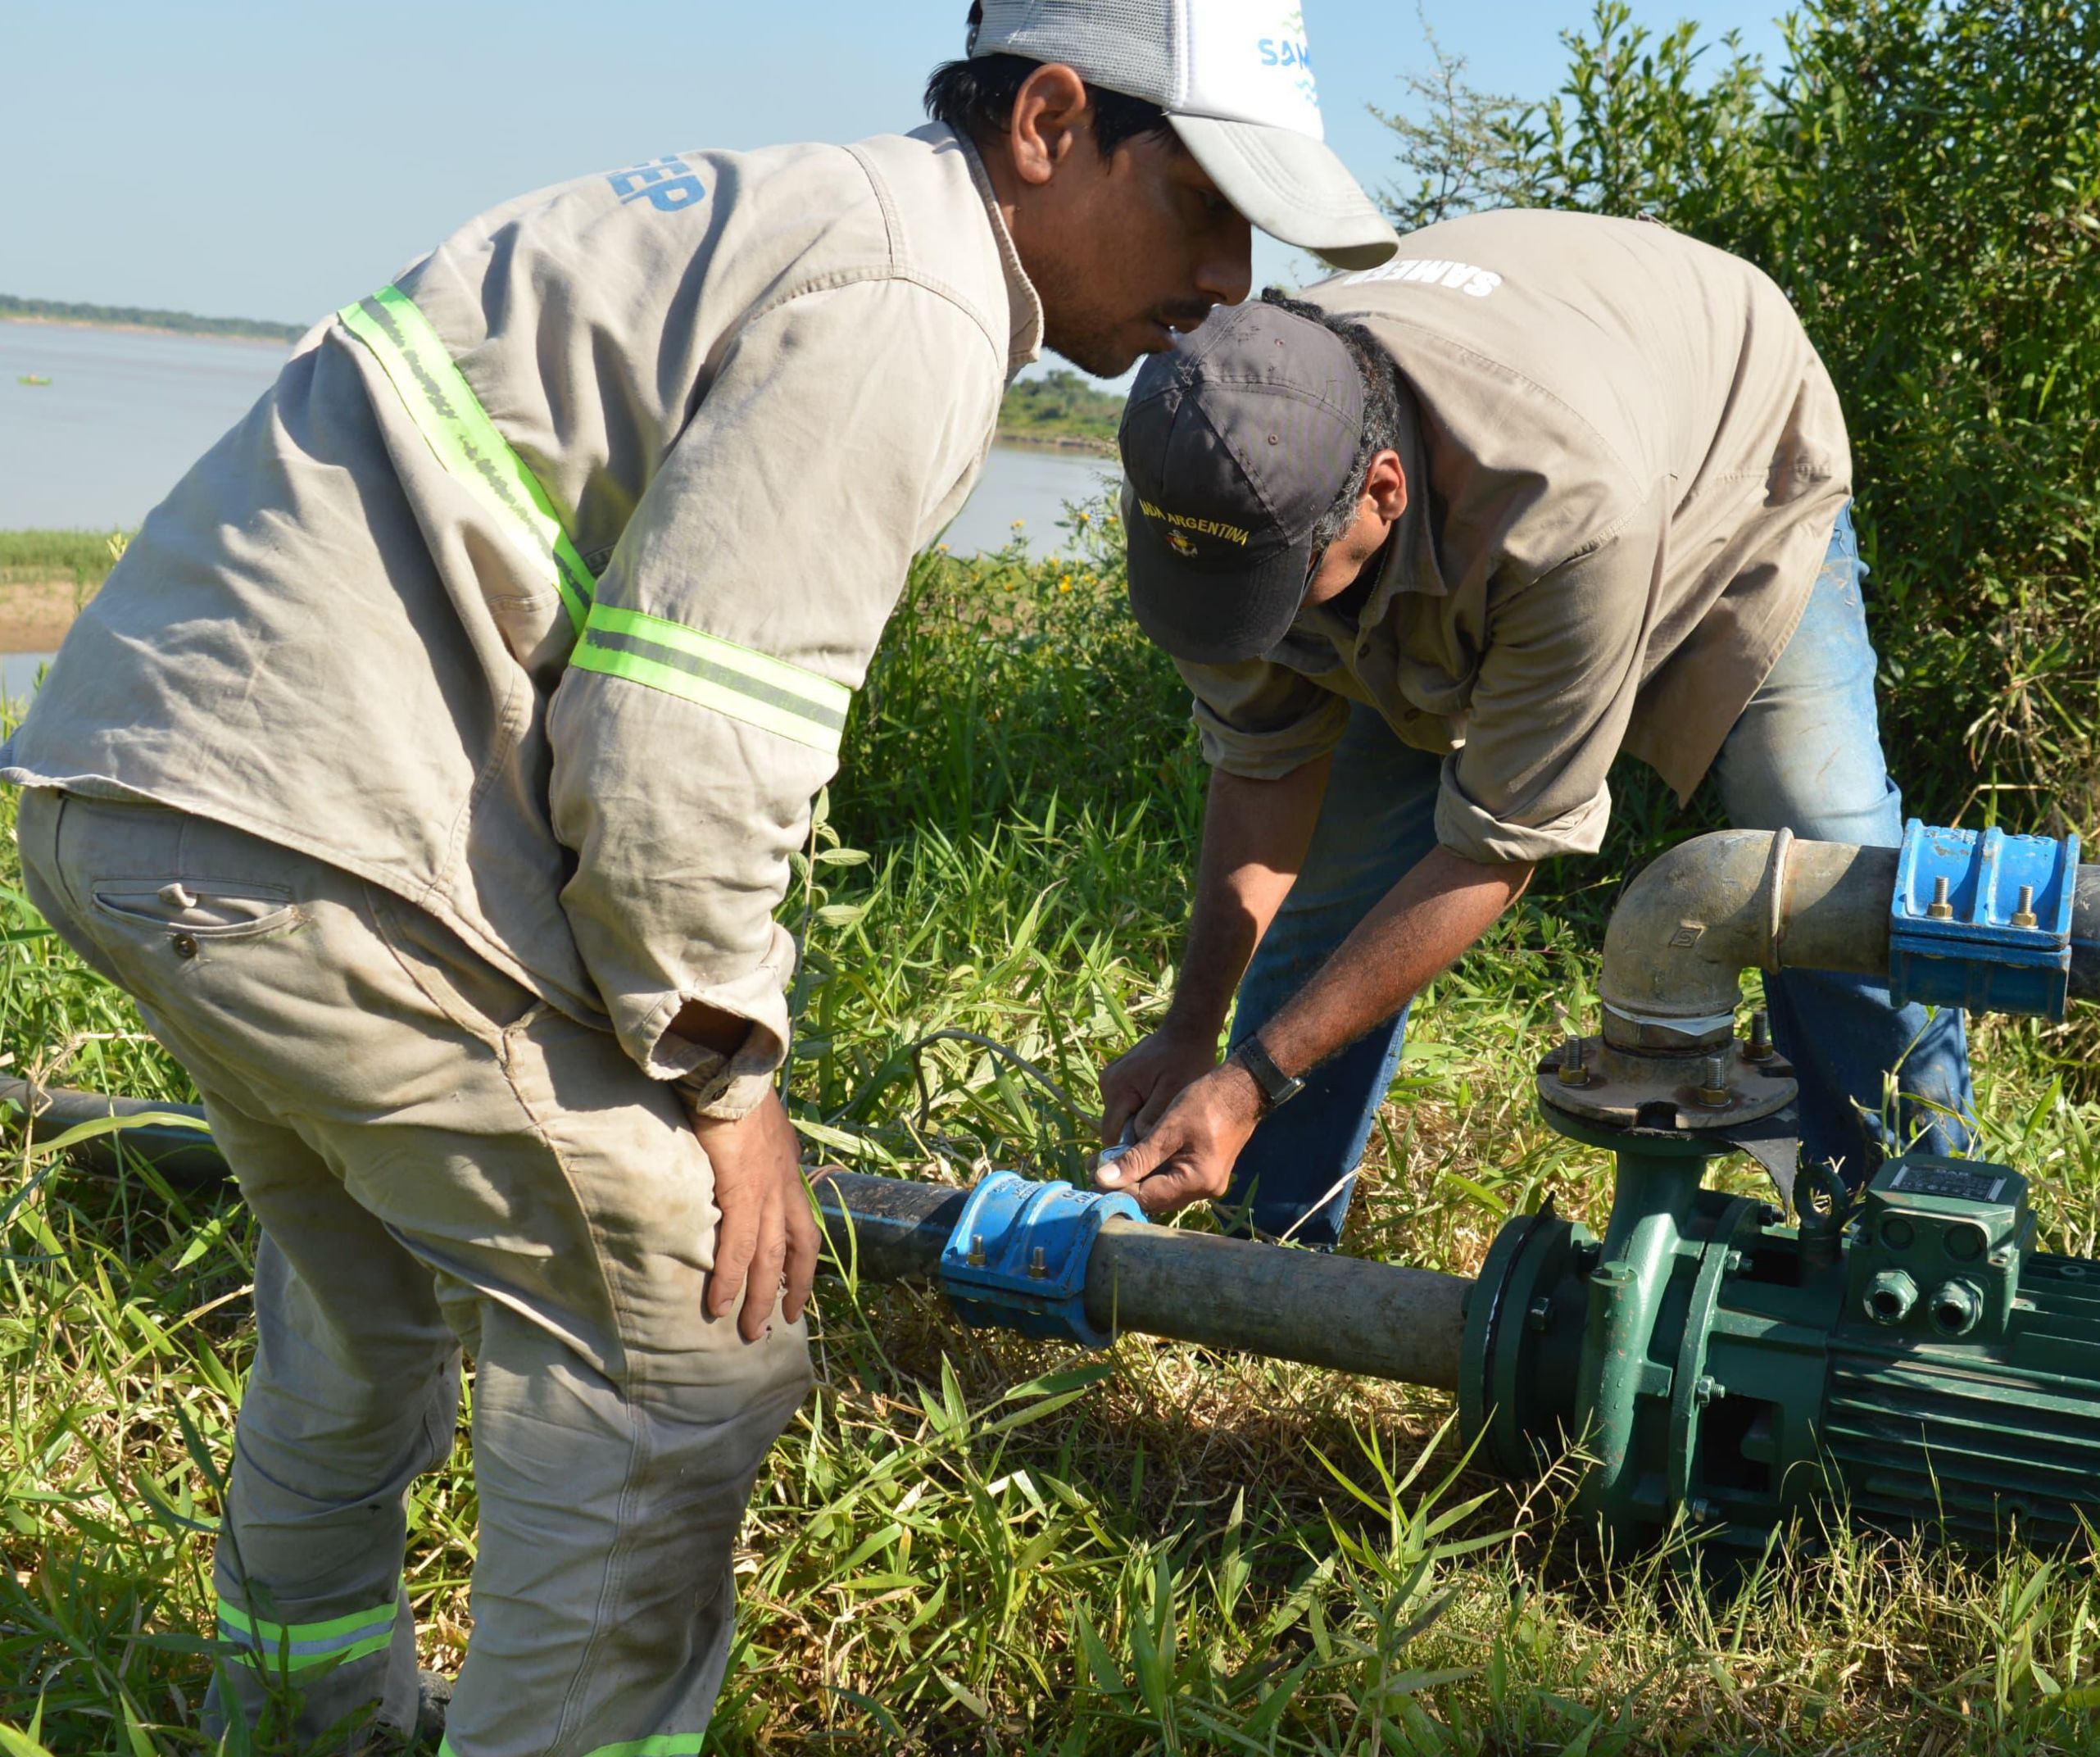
1016 1258
1982 920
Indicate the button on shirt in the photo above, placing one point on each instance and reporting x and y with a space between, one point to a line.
1624 463
751 385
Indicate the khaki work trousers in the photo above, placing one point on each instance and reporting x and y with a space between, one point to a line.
437 1160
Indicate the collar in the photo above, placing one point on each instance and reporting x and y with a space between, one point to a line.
1024 306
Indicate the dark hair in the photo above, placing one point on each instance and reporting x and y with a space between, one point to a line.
1381 407
976 97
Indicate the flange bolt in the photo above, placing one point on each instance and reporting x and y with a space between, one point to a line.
1759 1048
1713 1091
1572 1071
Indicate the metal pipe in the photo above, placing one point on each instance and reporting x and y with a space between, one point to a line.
1373 1319
1697 917
182 1156
2085 936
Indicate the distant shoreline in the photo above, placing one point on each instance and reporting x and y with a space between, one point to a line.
125 328
1024 442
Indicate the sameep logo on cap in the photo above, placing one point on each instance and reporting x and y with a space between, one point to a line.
1250 62
1289 51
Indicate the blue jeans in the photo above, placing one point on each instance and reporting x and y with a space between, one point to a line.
1805 754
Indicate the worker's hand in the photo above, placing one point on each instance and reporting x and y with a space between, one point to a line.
1138 1085
765 1246
1191 1151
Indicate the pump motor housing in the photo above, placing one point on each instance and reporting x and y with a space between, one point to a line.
1915 1358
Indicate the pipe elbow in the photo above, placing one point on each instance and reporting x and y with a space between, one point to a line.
1694 920
1690 924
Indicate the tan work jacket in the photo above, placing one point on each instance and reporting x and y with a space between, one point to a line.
1624 463
752 385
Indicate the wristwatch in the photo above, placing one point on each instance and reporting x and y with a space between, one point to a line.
1276 1086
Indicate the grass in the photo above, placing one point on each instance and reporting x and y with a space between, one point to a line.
36 557
969 1543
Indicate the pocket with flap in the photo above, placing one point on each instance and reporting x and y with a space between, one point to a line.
203 908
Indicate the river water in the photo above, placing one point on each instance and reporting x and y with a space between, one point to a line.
126 414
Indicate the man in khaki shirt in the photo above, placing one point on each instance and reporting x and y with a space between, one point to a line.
1432 548
429 768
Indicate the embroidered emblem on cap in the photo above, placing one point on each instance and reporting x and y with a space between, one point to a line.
1178 524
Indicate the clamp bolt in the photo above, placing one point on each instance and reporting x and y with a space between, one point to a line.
1941 908
2024 916
1712 1091
1539 1315
977 1251
1759 1048
1037 1267
1708 1389
1572 1072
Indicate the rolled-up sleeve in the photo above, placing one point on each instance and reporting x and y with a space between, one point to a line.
703 708
1261 719
1563 662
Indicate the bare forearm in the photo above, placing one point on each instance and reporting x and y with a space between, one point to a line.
1255 834
1420 928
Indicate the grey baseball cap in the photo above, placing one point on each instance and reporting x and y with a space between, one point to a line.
1236 79
1234 443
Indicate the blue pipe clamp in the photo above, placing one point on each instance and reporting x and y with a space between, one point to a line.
1017 1256
1982 919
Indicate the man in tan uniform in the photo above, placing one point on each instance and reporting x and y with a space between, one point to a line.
430 770
1432 549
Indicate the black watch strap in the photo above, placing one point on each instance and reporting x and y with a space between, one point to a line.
1276 1087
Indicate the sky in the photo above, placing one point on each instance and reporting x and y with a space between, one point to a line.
276 160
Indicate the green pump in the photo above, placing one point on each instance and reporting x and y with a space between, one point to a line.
1905 1350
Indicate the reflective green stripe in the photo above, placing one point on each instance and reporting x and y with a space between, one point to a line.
451 418
754 688
297 1645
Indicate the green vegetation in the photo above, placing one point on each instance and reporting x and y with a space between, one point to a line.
83 558
1060 408
136 317
972 1543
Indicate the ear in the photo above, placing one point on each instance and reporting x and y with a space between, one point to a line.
1050 111
1386 486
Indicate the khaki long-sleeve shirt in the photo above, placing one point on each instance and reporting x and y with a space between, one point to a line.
751 385
1623 462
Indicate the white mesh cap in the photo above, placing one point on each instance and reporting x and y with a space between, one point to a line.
1236 77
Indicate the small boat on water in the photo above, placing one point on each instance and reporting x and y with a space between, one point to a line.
32 378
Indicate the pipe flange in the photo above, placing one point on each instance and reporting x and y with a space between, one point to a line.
1773 887
1627 1089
